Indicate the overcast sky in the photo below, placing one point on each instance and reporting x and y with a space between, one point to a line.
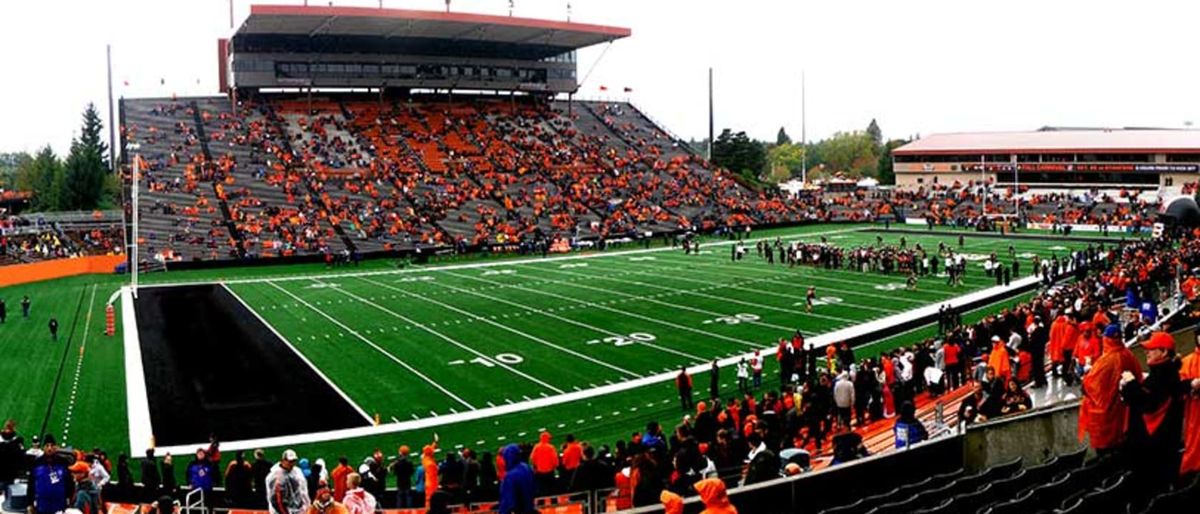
916 66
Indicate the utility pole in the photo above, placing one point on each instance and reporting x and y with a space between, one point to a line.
710 115
112 121
803 133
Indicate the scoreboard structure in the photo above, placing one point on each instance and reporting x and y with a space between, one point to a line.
317 47
1052 158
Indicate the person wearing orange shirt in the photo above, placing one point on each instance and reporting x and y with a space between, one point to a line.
544 460
1087 347
338 475
572 455
430 467
1102 415
998 360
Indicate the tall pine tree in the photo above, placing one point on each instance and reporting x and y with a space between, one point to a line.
86 166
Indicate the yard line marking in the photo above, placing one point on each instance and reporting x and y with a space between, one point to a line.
752 279
560 318
375 346
298 353
702 295
629 314
505 327
732 300
446 338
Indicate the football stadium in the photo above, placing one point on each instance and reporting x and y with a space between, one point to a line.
400 262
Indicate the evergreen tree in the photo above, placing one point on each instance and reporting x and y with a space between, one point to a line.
782 137
875 133
86 166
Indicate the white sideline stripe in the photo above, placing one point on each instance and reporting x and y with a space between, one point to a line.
446 338
475 265
300 354
137 403
372 344
818 341
694 293
625 313
504 327
87 328
560 318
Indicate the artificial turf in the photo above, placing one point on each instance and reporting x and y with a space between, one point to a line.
520 329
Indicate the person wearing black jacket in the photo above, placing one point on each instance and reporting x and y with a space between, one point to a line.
403 470
12 453
1036 345
1155 414
167 471
151 479
591 474
259 471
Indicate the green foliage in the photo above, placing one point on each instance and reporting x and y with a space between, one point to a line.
782 137
10 165
82 182
887 172
740 154
786 160
43 175
853 153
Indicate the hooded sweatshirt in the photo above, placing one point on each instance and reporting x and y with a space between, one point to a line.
359 501
712 493
672 503
517 490
544 457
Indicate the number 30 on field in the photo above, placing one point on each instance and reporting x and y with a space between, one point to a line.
636 337
503 358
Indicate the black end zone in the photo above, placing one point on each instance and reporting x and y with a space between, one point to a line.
213 368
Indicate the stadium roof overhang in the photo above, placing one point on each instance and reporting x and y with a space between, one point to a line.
1057 141
415 31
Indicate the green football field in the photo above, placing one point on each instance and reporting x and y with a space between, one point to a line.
500 348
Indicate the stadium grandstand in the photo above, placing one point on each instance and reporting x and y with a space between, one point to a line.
397 265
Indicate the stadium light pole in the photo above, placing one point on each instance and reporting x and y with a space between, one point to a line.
803 133
134 147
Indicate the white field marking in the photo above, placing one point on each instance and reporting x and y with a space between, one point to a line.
475 265
504 327
448 339
727 285
300 354
87 324
668 375
137 404
557 317
804 277
709 296
372 344
630 314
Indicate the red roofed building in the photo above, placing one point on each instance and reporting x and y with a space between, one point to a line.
1052 158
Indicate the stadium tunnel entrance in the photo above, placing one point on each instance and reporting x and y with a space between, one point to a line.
213 369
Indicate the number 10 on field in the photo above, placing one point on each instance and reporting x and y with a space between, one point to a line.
490 362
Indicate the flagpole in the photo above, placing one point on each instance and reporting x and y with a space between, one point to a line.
710 114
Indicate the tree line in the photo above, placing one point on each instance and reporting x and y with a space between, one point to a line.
82 181
855 154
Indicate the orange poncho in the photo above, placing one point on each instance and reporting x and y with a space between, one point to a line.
1191 418
712 492
544 457
1102 414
